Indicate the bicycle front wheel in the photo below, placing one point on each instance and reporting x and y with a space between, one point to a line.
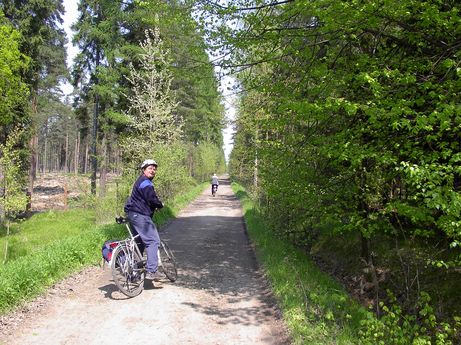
127 271
168 262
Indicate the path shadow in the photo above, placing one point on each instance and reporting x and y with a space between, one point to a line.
112 292
215 256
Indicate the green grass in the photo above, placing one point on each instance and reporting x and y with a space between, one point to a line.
50 246
41 229
27 276
316 309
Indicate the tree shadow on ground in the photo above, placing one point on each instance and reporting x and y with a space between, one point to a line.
215 257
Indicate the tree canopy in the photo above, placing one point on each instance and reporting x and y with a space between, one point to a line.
349 120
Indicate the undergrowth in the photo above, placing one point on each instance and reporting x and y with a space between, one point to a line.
316 309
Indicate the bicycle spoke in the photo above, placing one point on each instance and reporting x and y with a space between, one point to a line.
125 272
168 262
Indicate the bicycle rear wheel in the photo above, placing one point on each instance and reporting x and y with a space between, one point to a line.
127 271
168 262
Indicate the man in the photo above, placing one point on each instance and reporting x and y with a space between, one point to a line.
214 184
140 208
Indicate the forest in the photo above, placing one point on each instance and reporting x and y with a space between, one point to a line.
348 134
142 86
347 128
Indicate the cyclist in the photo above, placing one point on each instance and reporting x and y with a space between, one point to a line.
214 184
140 208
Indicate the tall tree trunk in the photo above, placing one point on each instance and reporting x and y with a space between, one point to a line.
364 210
45 154
66 159
77 153
103 168
33 143
94 158
365 248
85 163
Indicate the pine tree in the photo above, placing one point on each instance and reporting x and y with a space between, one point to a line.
44 43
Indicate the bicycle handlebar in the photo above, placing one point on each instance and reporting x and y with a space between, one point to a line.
121 220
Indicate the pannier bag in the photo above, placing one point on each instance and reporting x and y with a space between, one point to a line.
107 249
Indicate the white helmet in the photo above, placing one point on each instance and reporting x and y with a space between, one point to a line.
148 162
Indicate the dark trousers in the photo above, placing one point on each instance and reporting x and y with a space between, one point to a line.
145 227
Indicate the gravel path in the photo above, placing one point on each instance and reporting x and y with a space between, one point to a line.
220 297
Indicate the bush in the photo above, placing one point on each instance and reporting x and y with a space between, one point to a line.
398 328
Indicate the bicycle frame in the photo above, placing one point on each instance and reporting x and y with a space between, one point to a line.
132 244
128 269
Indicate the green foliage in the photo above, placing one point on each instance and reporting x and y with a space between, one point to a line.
364 125
13 199
172 177
207 159
194 81
13 89
44 40
316 309
349 120
152 104
397 328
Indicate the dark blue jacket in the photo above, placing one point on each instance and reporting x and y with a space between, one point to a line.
143 198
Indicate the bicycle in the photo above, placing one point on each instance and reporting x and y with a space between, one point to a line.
128 264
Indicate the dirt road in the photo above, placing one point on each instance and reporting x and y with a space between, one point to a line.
220 296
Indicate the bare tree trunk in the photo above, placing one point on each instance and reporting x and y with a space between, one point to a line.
56 160
45 154
37 164
33 143
66 153
255 175
94 158
255 172
103 168
7 238
117 160
85 167
77 153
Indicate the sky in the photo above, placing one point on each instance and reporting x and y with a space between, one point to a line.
70 16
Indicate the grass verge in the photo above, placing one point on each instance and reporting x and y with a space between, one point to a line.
316 309
57 244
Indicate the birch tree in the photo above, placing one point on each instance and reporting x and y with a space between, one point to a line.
152 103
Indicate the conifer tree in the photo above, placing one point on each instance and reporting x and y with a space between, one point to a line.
43 42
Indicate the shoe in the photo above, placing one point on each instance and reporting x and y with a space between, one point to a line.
155 276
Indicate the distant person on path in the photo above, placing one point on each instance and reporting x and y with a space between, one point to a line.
214 184
139 209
